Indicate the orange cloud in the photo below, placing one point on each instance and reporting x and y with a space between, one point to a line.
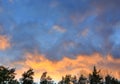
4 42
82 64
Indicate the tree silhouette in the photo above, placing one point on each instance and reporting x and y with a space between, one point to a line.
7 75
27 77
62 81
67 79
111 80
74 79
43 79
95 77
13 82
108 79
82 80
46 79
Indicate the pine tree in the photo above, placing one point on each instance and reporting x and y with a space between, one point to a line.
111 80
82 80
95 77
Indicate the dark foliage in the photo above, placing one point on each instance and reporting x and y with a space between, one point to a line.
95 77
111 80
7 75
27 77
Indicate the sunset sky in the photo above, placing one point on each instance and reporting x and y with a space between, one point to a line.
60 36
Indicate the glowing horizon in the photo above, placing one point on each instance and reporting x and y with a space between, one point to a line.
82 64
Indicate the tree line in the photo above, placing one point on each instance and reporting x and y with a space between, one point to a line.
7 76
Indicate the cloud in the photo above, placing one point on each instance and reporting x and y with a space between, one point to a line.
85 32
82 64
4 42
34 23
59 28
105 15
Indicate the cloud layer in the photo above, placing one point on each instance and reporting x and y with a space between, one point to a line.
83 64
60 31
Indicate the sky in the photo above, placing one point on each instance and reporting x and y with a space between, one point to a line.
60 36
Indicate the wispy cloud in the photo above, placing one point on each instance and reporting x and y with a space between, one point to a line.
59 28
4 42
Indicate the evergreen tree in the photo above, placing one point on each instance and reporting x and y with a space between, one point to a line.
82 80
95 77
108 79
111 80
